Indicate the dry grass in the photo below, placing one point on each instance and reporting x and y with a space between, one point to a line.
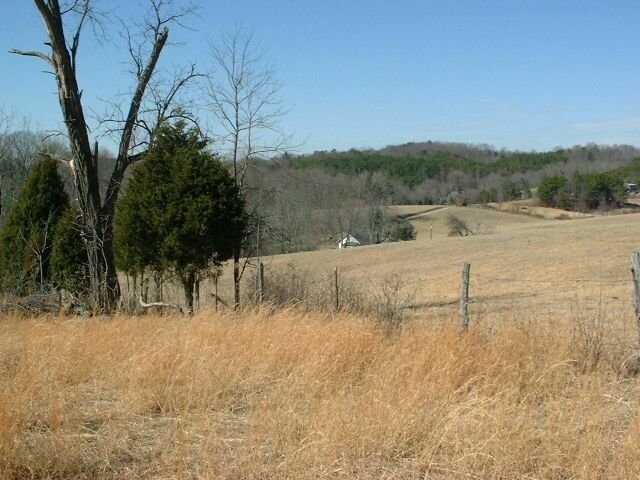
544 385
525 262
496 221
532 207
294 395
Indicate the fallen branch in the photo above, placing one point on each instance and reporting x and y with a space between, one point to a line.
143 304
216 297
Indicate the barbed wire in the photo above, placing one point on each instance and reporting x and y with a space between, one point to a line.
555 281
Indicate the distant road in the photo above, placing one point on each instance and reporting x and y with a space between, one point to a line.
424 214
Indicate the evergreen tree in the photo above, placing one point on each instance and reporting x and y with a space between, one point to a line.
181 210
69 261
551 189
27 238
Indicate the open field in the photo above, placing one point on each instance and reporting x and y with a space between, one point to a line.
532 207
545 384
305 395
523 262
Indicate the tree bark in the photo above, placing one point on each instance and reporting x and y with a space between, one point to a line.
188 283
236 276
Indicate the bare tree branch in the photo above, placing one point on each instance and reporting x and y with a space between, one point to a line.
33 53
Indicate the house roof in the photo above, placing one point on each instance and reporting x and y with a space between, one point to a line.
348 238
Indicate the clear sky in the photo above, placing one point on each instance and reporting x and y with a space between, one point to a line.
520 74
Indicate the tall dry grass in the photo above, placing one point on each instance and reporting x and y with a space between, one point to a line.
291 394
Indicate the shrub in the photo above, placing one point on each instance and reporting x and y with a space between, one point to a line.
401 230
550 190
464 228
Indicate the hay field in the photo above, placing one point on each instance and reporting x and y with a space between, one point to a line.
487 220
289 394
524 262
545 384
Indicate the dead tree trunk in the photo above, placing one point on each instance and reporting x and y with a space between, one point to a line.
188 283
97 217
236 276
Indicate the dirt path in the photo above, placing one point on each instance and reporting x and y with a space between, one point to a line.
424 214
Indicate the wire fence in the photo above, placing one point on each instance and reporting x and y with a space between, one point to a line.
441 291
427 294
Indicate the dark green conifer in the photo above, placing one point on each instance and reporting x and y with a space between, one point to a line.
181 211
26 239
69 261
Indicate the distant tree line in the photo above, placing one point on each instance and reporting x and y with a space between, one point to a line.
414 169
590 191
428 172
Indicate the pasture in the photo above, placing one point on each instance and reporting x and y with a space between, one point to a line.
522 263
543 386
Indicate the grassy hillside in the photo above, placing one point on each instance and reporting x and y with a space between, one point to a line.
523 262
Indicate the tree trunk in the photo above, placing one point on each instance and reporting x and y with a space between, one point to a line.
157 280
196 288
103 275
236 276
188 283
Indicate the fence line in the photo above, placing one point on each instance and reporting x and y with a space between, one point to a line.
554 286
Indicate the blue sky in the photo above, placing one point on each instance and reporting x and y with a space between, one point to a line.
528 75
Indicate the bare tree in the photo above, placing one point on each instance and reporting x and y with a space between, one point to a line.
19 149
243 95
146 41
459 227
6 145
40 245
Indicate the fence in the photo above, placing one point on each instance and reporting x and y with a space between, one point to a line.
464 293
467 293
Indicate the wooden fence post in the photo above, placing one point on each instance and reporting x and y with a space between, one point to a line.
215 282
635 273
464 298
337 288
260 281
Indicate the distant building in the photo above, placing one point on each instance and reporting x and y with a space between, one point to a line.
348 241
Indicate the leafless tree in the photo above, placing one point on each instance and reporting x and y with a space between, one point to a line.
39 243
6 145
459 227
243 94
19 149
65 22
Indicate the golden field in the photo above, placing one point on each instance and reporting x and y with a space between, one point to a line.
544 385
294 395
520 262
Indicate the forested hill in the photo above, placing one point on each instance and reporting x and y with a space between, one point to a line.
413 163
413 169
